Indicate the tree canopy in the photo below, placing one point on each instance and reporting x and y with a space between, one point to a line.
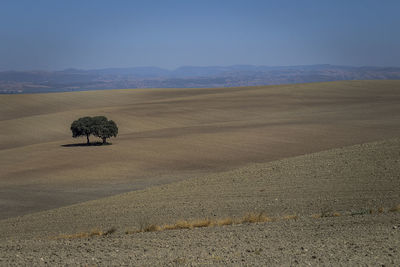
98 126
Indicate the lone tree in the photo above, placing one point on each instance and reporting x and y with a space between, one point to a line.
82 127
104 128
98 126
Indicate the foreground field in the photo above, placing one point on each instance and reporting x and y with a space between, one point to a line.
168 135
349 241
345 203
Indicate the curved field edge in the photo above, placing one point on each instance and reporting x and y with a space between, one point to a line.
354 178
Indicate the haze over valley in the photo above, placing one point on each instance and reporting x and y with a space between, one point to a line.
184 77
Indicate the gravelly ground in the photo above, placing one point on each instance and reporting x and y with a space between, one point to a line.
347 240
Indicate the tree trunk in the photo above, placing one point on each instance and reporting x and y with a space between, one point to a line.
104 140
87 138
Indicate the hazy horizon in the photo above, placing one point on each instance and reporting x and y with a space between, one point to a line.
57 35
199 66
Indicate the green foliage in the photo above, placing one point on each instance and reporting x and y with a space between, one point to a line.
81 127
98 126
104 128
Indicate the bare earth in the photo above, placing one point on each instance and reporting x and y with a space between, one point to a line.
205 153
359 184
168 135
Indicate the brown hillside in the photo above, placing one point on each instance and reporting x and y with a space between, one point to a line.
173 134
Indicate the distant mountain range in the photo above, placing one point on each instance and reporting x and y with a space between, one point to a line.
188 76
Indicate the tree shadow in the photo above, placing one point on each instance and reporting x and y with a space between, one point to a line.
86 144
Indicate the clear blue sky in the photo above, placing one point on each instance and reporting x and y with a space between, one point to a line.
55 34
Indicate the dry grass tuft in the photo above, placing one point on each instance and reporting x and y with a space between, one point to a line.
151 228
148 228
248 218
182 224
290 217
255 218
394 209
202 223
169 227
96 233
224 221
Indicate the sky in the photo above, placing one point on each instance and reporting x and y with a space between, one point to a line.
92 34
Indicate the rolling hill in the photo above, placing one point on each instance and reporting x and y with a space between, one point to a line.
172 134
